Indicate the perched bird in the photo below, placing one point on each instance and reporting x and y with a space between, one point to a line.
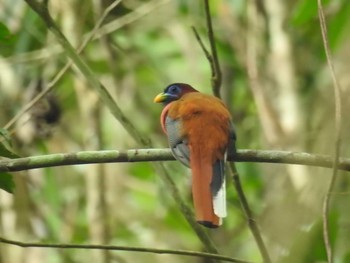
200 134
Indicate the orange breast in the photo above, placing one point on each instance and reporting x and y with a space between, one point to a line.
205 123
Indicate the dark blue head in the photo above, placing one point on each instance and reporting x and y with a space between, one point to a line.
173 92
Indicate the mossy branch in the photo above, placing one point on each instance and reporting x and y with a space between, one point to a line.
153 155
124 248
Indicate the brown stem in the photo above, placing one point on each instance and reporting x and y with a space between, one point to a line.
248 213
337 136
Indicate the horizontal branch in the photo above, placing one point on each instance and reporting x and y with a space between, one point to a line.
123 248
148 155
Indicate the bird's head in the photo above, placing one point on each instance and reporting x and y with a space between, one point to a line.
173 92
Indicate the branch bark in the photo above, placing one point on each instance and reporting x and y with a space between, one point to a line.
123 248
253 225
215 66
149 155
337 135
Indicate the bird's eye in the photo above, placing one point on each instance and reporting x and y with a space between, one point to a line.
174 89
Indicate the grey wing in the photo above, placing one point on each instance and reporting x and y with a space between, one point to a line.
178 144
231 147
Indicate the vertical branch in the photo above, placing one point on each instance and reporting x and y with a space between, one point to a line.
216 73
212 56
205 50
337 138
186 211
248 213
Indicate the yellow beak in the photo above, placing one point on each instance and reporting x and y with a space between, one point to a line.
160 98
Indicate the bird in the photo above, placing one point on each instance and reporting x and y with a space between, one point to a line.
201 135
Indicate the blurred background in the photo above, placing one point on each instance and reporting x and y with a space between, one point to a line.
275 82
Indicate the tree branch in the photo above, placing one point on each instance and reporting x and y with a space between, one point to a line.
253 226
216 73
151 155
212 56
205 50
123 248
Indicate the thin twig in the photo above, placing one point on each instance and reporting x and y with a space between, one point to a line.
337 136
216 74
139 12
123 248
205 50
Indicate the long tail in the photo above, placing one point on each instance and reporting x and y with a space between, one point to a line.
202 191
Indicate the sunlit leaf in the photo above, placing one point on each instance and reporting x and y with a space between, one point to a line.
338 24
305 10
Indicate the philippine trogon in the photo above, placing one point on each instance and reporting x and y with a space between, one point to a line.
200 134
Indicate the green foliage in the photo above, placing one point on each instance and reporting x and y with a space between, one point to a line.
5 152
5 142
339 25
310 246
6 179
6 182
142 171
7 40
305 13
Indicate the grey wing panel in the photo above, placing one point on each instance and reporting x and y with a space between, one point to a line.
178 144
182 153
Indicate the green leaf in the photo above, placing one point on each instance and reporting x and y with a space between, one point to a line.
6 152
4 33
5 134
306 11
6 182
338 25
5 141
7 40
